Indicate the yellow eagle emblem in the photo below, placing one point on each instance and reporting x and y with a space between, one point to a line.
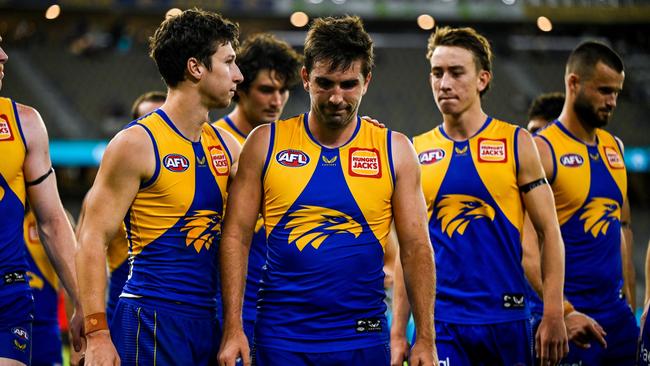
457 210
598 214
202 228
313 224
35 281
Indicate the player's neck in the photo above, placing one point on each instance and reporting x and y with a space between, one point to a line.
582 131
186 113
463 126
331 137
240 121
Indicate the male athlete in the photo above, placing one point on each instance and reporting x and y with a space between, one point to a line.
586 170
543 110
165 176
26 172
478 173
329 184
270 68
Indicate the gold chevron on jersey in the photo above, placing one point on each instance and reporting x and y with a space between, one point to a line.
305 230
456 211
598 214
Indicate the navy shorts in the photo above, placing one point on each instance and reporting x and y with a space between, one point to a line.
376 356
46 345
16 320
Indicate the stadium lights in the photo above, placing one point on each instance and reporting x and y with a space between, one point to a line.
544 24
53 12
509 2
299 19
426 22
173 12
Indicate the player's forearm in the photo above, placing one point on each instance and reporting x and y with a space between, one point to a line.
60 245
401 307
91 273
420 280
629 273
552 252
233 268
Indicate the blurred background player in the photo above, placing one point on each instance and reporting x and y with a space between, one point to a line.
587 173
165 176
270 68
26 172
543 110
478 175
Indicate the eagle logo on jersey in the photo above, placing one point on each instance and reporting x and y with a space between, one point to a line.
599 213
35 281
313 224
457 210
202 229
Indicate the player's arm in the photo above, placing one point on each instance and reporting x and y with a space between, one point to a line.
54 228
531 256
627 247
551 341
128 161
244 199
399 347
416 252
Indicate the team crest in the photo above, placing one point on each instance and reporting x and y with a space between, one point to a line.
292 158
571 160
364 163
492 151
431 156
219 160
5 129
613 158
598 214
176 163
311 225
202 229
456 211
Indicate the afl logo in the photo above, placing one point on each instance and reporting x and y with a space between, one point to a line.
571 160
431 156
176 163
292 158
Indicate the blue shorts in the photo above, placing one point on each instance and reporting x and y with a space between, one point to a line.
643 353
148 332
622 335
509 343
16 320
46 345
375 356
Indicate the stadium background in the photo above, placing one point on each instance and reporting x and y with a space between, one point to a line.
83 68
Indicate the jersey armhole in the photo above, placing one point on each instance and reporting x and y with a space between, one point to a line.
18 124
270 151
551 179
516 152
389 145
156 172
225 147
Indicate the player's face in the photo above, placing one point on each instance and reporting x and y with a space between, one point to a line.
148 106
221 81
596 97
536 123
3 60
455 81
265 98
335 94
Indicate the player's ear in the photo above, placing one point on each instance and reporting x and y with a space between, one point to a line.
305 78
194 68
484 78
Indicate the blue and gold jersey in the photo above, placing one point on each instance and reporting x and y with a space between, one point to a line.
174 223
257 255
327 213
42 277
589 184
12 192
475 223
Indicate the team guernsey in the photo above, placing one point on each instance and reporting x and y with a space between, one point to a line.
173 228
327 213
16 299
46 342
257 256
589 183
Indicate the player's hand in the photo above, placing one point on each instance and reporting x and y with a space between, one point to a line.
399 350
373 121
423 354
551 341
234 346
77 327
77 357
582 329
100 351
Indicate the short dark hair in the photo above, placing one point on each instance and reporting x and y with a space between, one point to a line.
547 106
340 41
193 33
264 51
467 38
587 55
150 96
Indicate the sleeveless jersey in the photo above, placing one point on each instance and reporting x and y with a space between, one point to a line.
589 184
117 254
42 277
475 223
12 193
257 255
327 213
174 223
